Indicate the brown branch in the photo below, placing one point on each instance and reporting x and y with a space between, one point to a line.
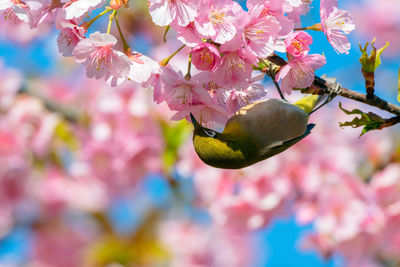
320 86
390 122
53 106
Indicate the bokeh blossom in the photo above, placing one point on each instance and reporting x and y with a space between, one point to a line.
102 172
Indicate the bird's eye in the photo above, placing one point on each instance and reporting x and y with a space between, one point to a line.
210 133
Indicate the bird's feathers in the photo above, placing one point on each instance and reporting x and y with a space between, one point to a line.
225 153
254 133
279 147
268 122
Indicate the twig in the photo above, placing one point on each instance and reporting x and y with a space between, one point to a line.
165 61
53 106
320 86
271 72
390 122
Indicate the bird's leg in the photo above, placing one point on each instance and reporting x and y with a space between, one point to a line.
270 72
335 90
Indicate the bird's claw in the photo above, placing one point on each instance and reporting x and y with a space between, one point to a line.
334 88
270 71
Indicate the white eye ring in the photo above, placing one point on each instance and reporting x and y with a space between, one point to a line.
210 133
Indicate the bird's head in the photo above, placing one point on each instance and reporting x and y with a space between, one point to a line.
219 150
201 131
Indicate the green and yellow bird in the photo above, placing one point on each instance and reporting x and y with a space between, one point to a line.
254 133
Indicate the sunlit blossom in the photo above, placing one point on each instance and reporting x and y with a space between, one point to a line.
180 12
335 24
299 72
100 58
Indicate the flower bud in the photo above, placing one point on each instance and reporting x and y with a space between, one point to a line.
297 43
116 4
371 62
205 57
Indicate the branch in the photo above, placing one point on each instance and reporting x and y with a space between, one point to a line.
390 122
53 106
320 86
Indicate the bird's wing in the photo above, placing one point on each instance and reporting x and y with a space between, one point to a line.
278 147
267 122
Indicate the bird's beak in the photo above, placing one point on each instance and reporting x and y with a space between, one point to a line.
195 123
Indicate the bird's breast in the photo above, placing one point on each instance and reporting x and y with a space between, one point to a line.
226 154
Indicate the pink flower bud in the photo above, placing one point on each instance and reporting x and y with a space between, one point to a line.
205 57
297 43
116 4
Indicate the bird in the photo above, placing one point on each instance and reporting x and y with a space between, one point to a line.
255 132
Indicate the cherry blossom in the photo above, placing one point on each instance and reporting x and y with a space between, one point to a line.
216 20
20 32
260 32
299 72
236 99
180 93
100 58
74 9
299 8
207 113
141 70
188 35
180 12
234 70
205 57
335 23
297 44
15 10
69 37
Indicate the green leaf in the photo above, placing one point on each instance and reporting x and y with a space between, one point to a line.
174 135
371 62
378 54
369 121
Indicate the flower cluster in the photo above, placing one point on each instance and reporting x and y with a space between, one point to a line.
299 72
95 51
225 42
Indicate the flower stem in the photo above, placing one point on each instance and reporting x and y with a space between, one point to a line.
127 48
315 27
110 21
89 23
165 61
165 34
279 89
188 76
